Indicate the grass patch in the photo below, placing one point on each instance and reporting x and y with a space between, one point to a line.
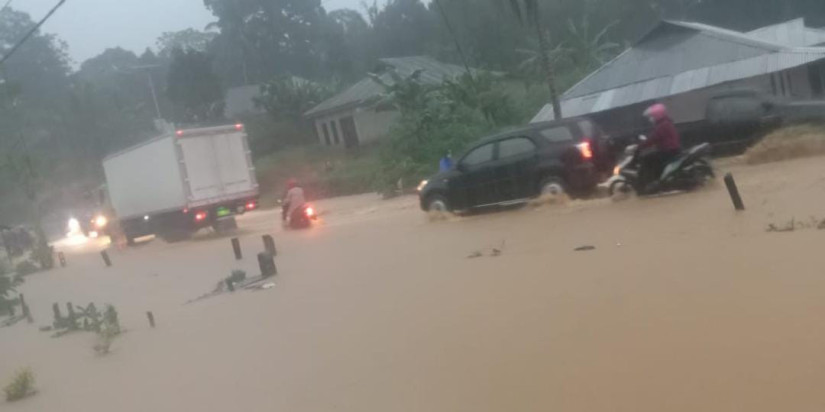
322 172
21 386
788 143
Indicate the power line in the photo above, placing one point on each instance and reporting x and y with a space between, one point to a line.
32 31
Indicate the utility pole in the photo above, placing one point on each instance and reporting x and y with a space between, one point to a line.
152 88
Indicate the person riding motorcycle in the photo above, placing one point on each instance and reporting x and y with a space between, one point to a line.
293 199
662 146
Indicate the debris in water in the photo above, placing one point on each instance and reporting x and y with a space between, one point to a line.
495 252
476 254
584 248
269 285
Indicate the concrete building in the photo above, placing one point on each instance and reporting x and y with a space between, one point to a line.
353 117
684 64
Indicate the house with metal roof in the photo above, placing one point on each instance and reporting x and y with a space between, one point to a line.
355 117
684 64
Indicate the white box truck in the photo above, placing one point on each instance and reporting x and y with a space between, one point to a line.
178 183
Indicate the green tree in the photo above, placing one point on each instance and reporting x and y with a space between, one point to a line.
189 39
528 12
194 88
271 36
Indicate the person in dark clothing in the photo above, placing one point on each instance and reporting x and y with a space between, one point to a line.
661 147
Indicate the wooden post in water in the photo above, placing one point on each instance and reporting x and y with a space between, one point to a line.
151 317
267 264
25 308
236 247
106 258
735 197
269 245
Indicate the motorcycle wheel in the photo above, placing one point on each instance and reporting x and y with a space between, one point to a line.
620 190
703 173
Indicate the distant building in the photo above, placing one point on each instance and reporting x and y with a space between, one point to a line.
353 117
240 101
684 64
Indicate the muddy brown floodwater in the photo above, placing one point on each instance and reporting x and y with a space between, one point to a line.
684 305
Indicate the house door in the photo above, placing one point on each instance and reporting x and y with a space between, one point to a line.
350 134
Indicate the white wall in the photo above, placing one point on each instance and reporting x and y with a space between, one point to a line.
370 125
373 125
331 121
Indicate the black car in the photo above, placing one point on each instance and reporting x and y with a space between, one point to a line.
512 167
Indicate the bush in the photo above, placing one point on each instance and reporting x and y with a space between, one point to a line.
21 386
26 268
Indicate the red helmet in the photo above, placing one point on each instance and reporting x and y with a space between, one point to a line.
656 112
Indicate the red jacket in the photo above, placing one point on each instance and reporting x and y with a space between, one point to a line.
665 137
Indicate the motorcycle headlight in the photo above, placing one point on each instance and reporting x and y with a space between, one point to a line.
422 185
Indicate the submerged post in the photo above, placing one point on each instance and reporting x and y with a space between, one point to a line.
735 197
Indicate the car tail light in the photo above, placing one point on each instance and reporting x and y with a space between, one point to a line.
310 212
239 126
251 206
179 133
201 216
586 149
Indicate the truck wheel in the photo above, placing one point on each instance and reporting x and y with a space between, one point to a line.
174 236
225 226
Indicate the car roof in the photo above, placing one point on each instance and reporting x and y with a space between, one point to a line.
529 128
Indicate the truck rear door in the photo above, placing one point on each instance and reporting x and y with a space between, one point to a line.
217 167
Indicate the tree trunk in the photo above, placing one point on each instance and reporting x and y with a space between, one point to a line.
544 47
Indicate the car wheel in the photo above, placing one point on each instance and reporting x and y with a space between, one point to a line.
552 186
437 203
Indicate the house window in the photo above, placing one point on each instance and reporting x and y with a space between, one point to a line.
326 134
335 132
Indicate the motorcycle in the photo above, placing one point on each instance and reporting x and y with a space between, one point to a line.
302 217
692 169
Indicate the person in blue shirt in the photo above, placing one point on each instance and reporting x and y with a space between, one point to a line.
446 162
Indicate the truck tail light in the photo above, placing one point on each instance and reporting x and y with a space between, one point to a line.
251 206
201 216
586 149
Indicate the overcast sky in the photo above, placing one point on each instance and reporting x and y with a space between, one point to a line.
91 26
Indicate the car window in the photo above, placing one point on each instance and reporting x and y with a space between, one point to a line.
478 156
515 147
560 134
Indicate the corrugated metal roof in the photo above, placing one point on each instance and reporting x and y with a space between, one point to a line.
792 33
683 82
367 90
670 49
677 57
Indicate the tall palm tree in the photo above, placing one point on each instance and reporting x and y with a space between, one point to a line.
529 15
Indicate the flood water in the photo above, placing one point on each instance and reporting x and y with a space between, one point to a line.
683 305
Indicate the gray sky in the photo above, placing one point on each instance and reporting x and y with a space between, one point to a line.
91 26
